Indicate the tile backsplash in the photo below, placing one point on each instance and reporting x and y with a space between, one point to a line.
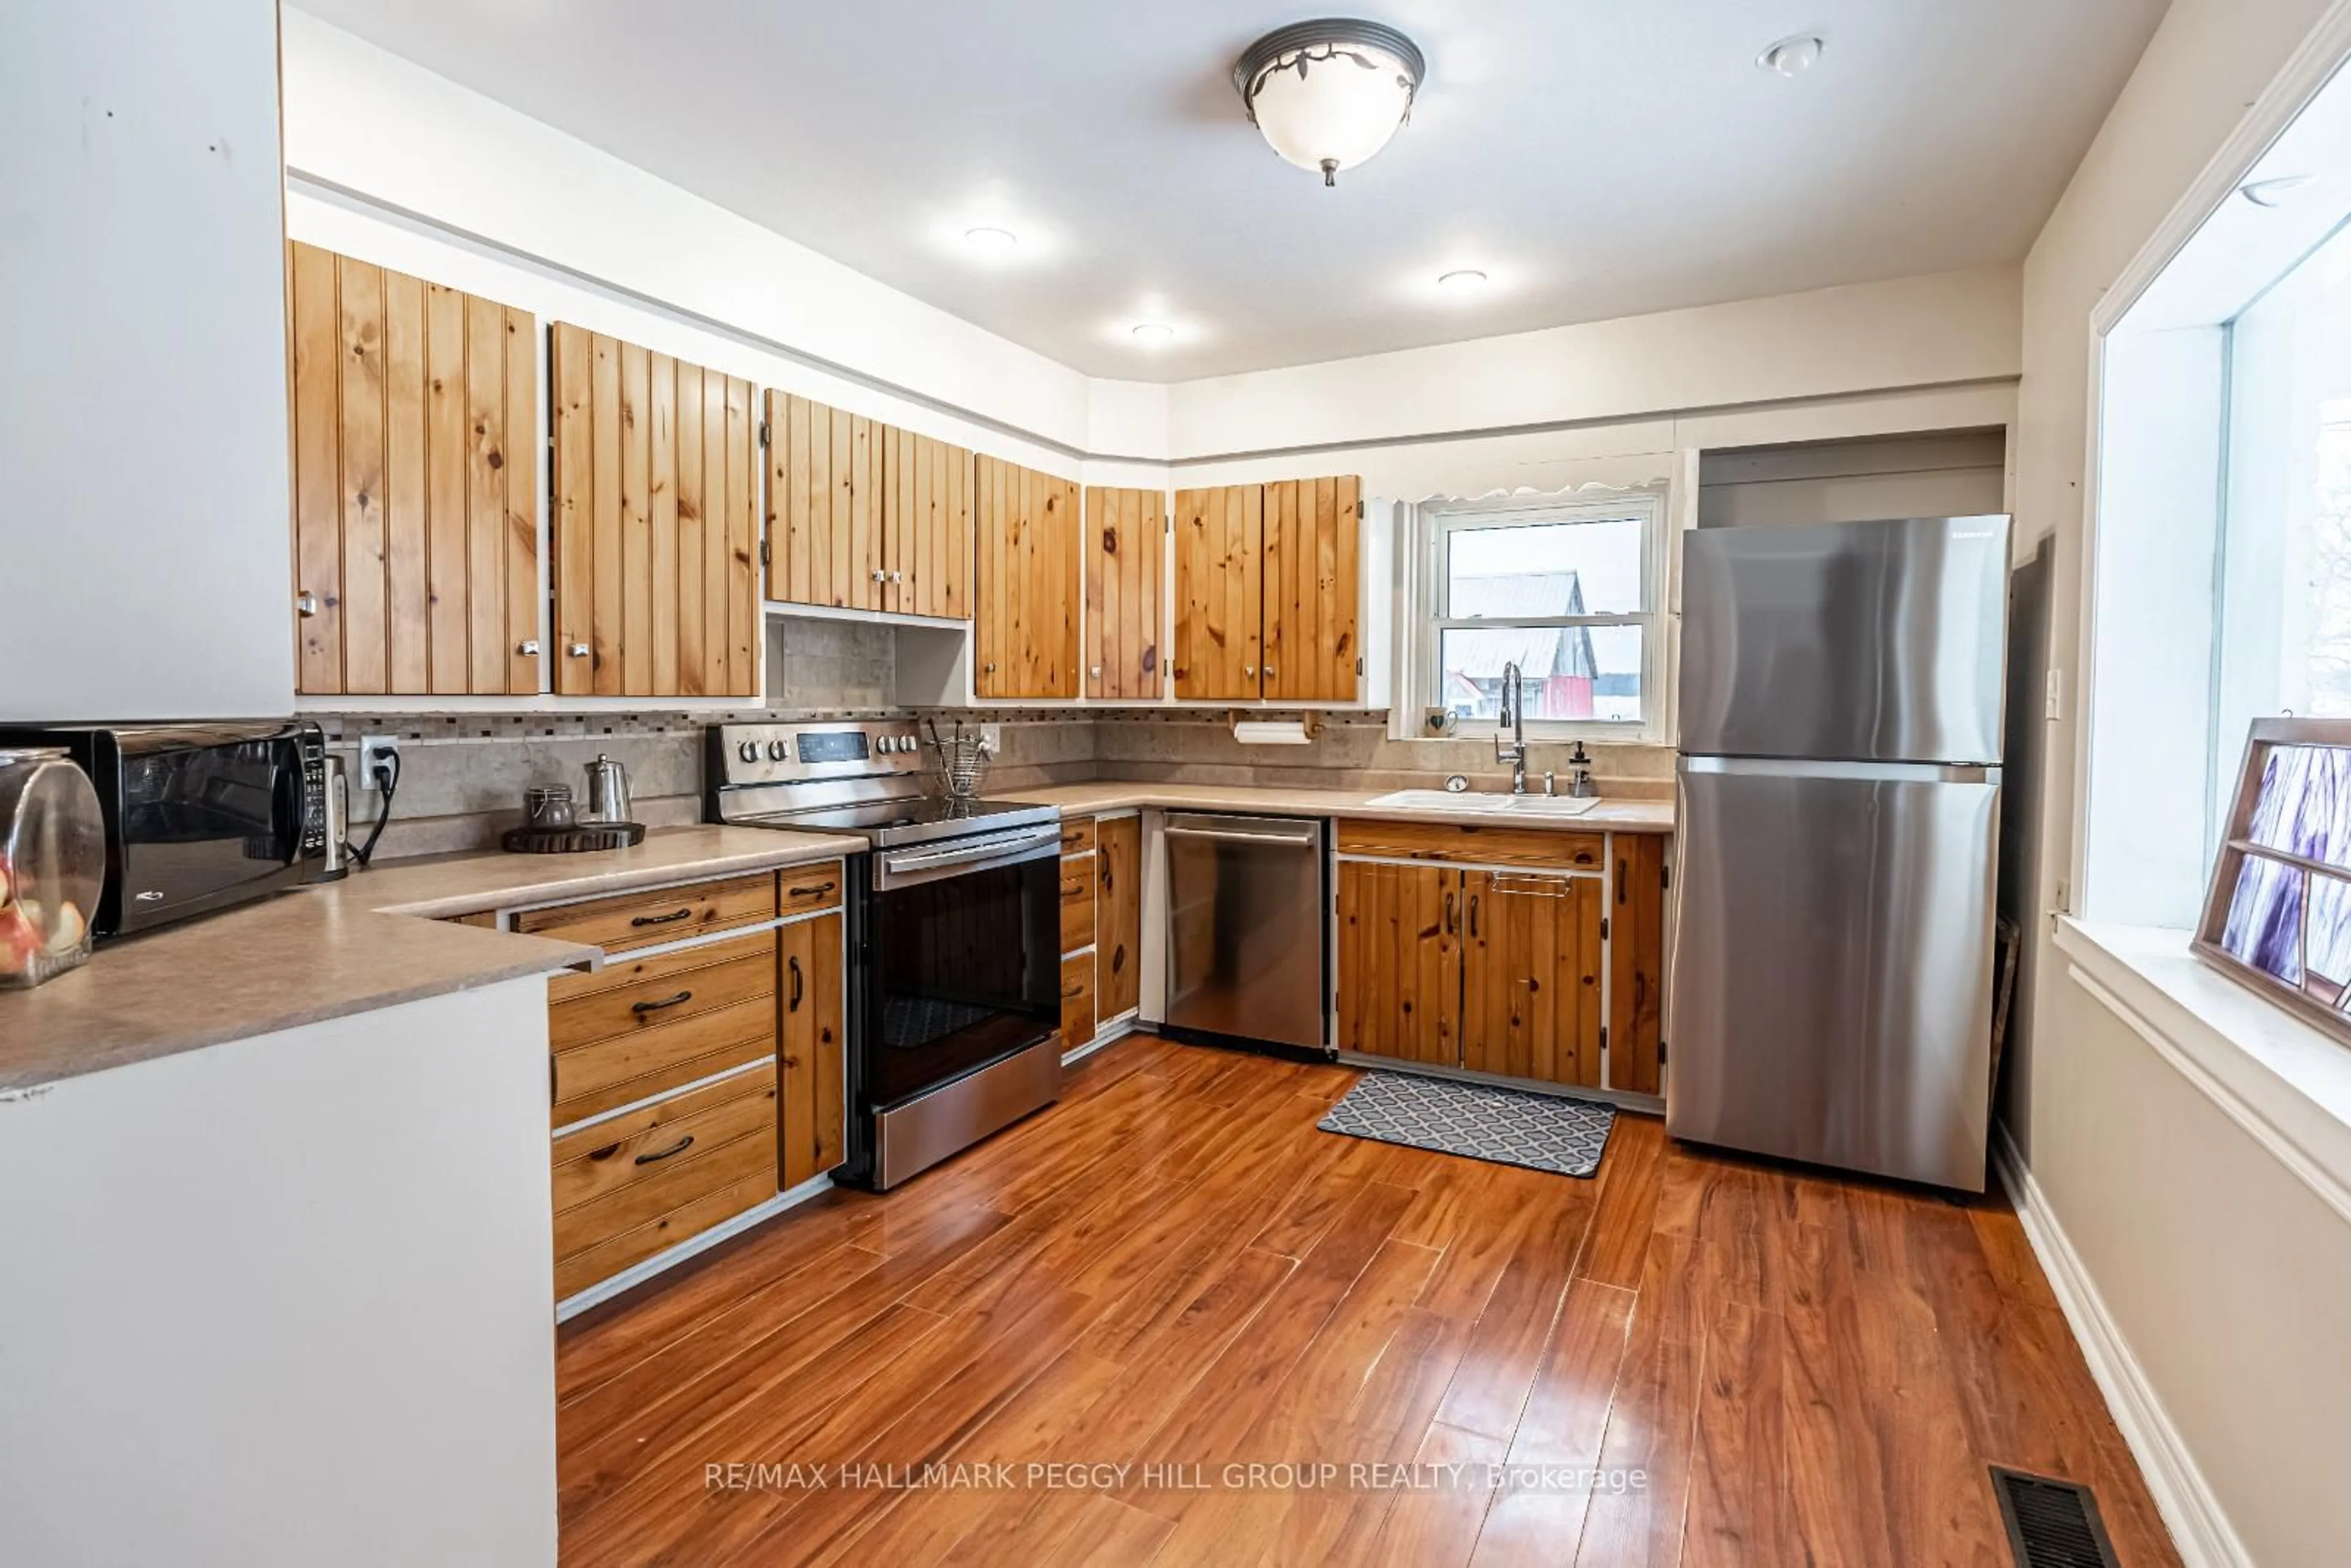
462 776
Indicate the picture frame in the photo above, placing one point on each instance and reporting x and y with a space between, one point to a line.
2277 906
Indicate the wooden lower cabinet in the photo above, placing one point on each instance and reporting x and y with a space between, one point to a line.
812 1127
1521 969
1118 917
701 1070
1400 961
1078 862
1530 976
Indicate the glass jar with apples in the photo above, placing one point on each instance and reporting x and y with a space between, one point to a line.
52 864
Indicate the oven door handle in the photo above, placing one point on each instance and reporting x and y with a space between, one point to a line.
1028 843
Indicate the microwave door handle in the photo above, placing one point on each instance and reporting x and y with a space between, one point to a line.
288 801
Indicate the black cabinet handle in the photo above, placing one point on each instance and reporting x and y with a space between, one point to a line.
679 1147
663 919
1621 869
793 964
641 1008
1473 914
1450 926
819 891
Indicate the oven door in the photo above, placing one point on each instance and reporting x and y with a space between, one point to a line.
962 959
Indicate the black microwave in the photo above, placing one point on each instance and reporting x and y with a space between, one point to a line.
199 817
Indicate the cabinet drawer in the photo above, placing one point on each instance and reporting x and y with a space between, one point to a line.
737 1177
1077 1001
1077 835
596 1161
1475 845
810 887
593 1079
617 973
1077 905
663 915
668 988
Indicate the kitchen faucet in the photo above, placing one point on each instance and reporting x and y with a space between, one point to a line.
1513 713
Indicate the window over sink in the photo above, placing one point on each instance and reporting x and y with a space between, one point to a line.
1566 587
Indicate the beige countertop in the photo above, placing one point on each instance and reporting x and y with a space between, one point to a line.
1611 815
374 940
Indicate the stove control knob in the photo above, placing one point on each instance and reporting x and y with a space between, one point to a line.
888 744
778 750
748 751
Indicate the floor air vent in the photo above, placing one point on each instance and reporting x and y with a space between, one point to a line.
2050 1524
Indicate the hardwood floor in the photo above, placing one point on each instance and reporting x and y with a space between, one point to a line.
1174 1268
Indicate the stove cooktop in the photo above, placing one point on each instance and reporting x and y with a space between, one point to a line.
910 820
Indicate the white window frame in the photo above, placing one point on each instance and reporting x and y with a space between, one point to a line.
1421 675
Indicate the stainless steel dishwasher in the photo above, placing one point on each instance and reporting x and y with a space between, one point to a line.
1245 928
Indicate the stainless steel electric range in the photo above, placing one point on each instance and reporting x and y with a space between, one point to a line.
953 998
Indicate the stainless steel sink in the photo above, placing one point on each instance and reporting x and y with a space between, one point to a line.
1494 804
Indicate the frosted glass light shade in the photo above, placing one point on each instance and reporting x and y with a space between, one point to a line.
1328 96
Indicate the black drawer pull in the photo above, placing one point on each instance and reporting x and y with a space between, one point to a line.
679 1147
819 891
641 1008
1473 914
793 964
663 919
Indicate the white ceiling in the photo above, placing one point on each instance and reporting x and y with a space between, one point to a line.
1597 158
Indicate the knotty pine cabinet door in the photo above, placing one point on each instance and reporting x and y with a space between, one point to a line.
1025 619
810 1122
655 565
1400 961
824 504
1126 552
416 415
1530 976
1637 948
1118 916
1268 579
927 526
1219 592
1310 652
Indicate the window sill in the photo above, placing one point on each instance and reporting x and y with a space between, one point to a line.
2284 1080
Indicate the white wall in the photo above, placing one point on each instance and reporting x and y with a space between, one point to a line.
289 1300
144 565
1949 327
2169 1203
1958 475
367 120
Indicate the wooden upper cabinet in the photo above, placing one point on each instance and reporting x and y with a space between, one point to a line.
416 415
1309 652
656 528
865 516
1268 579
1126 550
1219 585
1026 614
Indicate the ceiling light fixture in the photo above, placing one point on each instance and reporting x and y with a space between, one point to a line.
1328 94
993 241
1792 57
2275 192
1461 280
1153 333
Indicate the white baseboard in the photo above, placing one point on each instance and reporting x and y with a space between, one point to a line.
2200 1532
1109 1032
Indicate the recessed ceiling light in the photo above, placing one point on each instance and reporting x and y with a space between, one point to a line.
1792 57
1153 332
993 241
1461 280
2275 192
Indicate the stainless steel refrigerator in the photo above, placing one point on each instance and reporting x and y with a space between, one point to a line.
1830 996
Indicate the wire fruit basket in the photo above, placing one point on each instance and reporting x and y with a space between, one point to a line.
962 759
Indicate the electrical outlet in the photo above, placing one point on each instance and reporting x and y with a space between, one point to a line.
2053 701
991 735
370 747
